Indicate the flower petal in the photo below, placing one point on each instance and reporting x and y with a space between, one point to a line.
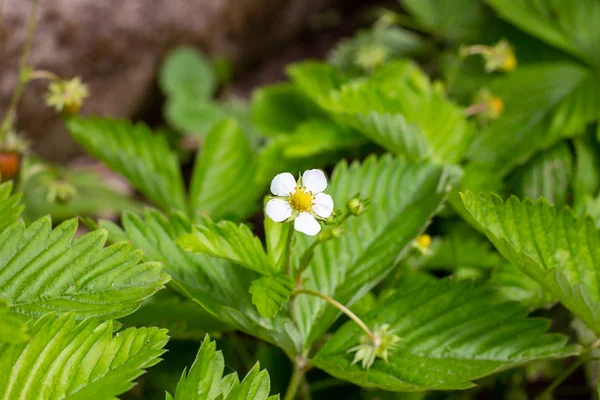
307 224
314 180
278 210
323 206
283 184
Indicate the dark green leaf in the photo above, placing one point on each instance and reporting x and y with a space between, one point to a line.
270 293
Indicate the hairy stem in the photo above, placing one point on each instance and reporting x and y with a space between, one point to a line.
343 309
296 380
22 81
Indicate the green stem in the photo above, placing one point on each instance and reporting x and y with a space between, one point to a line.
305 260
560 379
453 73
295 381
288 254
22 81
343 309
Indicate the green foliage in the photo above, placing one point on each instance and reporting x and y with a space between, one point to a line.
451 334
12 327
270 293
229 241
135 152
205 379
187 74
10 207
222 182
77 360
552 247
403 198
46 270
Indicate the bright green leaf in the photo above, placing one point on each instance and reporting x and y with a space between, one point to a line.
280 108
12 327
512 284
552 247
452 333
568 25
222 181
186 73
193 116
44 270
270 293
10 206
67 359
135 152
205 380
230 241
314 78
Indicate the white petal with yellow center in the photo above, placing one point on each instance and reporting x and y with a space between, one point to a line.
323 205
307 224
283 184
278 210
314 180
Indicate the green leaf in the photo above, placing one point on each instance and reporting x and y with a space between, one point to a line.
193 116
12 327
455 20
552 247
512 284
44 270
10 206
187 73
537 114
587 169
570 26
205 380
548 174
399 88
270 293
403 198
314 78
218 285
222 181
77 360
133 151
279 109
185 319
227 240
452 333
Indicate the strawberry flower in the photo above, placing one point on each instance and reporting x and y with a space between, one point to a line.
302 202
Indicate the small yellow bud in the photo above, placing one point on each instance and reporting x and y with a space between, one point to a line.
501 57
332 233
423 241
488 106
67 96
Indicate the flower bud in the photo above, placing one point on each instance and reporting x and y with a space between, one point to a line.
357 206
67 96
331 233
60 192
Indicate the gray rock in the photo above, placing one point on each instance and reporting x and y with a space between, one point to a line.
116 47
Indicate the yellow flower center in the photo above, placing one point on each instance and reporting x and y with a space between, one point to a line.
301 199
510 62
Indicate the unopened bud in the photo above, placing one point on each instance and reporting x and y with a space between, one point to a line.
67 96
331 233
61 192
357 206
422 243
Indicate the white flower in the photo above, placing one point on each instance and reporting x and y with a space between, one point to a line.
302 202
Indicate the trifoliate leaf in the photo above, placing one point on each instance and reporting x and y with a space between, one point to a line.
67 359
135 152
270 293
230 241
403 198
452 333
186 73
205 380
222 181
551 246
44 270
10 207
